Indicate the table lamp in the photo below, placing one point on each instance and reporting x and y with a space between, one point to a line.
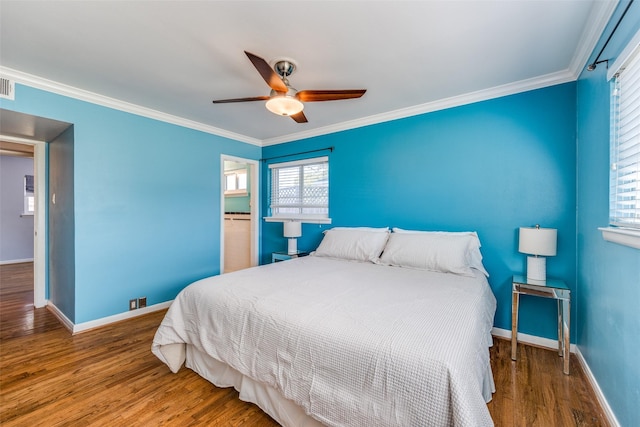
539 242
292 230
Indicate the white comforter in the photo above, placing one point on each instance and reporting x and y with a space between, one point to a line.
354 344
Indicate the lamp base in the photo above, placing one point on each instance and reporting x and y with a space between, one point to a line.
293 246
537 268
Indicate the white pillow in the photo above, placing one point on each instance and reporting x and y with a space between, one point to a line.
475 256
449 252
356 244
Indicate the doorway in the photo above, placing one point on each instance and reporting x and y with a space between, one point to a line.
36 150
21 128
239 231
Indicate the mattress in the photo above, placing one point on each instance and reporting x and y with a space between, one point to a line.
348 343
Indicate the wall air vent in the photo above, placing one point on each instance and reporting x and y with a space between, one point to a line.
7 88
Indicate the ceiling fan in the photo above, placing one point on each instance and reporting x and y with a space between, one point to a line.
285 100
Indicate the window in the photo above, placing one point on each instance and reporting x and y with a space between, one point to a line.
624 196
29 205
235 182
300 190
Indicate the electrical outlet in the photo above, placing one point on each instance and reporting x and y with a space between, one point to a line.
142 302
133 304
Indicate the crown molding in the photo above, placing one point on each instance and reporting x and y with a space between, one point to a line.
442 104
596 24
116 104
429 107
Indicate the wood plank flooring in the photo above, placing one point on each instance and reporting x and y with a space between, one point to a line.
108 376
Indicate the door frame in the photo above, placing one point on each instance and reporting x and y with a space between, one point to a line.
254 202
39 217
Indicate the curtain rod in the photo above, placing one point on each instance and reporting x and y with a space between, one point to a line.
297 154
595 63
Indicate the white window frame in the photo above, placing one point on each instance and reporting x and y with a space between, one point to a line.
29 199
303 217
624 230
238 190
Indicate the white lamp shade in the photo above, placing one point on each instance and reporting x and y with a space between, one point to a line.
538 241
292 229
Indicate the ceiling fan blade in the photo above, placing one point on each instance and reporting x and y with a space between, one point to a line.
329 95
255 98
299 117
268 74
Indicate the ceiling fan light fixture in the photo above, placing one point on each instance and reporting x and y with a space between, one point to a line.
283 99
284 105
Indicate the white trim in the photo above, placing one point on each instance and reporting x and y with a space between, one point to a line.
16 261
429 107
254 203
622 236
60 316
94 98
531 339
40 260
624 56
82 327
593 29
547 80
608 412
40 226
597 23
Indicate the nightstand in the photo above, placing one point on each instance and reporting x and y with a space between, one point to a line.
283 256
551 288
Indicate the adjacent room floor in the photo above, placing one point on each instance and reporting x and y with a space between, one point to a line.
108 376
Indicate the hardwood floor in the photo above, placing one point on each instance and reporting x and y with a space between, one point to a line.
108 376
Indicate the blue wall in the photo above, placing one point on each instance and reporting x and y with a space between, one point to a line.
61 230
146 199
16 230
608 323
491 166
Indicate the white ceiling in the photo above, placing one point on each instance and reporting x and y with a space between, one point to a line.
170 59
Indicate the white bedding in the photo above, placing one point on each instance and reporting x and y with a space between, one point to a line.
351 343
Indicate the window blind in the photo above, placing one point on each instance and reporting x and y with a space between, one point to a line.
300 189
28 183
624 207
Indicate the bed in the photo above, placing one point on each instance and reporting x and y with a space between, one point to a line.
376 328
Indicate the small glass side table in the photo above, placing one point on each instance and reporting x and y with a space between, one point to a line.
551 288
283 256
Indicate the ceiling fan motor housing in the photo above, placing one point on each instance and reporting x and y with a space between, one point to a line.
284 67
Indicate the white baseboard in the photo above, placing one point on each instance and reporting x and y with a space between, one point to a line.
608 412
85 326
16 261
553 344
530 339
60 316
